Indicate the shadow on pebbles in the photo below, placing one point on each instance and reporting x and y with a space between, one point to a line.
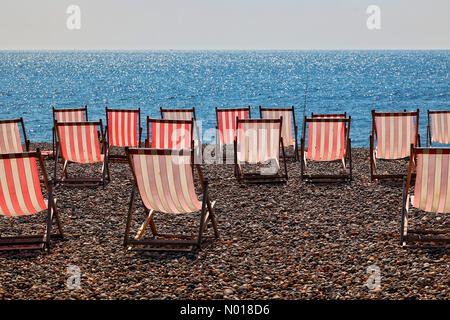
292 241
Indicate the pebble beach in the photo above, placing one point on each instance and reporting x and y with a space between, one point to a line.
291 241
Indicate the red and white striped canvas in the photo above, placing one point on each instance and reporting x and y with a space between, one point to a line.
177 114
326 140
10 138
77 115
395 133
432 189
330 116
171 134
166 183
227 123
20 189
287 133
79 142
123 128
440 127
258 141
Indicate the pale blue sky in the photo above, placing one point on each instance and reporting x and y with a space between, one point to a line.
224 24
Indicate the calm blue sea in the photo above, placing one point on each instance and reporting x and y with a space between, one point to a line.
352 81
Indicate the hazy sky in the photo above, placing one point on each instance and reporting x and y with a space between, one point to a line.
224 24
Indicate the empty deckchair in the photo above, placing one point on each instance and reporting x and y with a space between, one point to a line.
258 142
394 133
65 115
290 130
169 134
438 129
226 123
78 142
165 182
123 129
431 195
178 114
326 140
21 195
10 140
184 114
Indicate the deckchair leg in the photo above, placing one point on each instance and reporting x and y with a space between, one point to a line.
212 217
144 226
302 162
129 217
58 220
402 223
372 165
350 160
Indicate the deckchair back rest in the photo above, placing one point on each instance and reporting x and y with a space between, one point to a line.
178 114
288 116
394 133
440 126
329 115
20 187
123 127
10 140
258 140
170 134
79 141
164 178
327 138
70 115
432 186
226 123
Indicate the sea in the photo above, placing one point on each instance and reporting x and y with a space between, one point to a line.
32 82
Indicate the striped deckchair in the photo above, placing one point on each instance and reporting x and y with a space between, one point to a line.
78 142
169 134
326 139
184 114
178 114
10 141
164 179
21 195
258 142
123 129
431 194
226 123
438 129
394 133
65 115
290 130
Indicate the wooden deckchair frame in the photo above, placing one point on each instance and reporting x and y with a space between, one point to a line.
121 157
177 110
149 135
20 122
35 242
255 177
329 115
347 155
85 181
295 128
419 238
168 242
373 137
62 110
429 132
